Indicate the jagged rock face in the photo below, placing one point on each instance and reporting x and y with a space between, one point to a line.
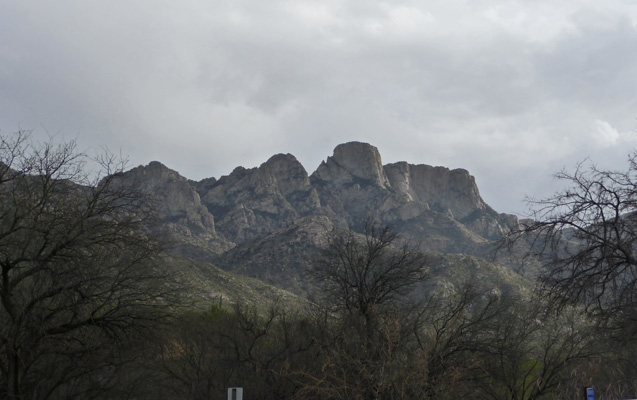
251 202
286 173
176 199
269 221
353 162
442 189
181 217
438 207
451 192
490 224
353 185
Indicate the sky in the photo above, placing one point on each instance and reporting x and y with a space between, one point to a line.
513 91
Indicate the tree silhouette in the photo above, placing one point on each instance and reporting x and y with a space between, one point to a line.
78 276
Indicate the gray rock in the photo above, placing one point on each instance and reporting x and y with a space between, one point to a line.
266 214
180 215
251 202
177 201
352 163
353 185
439 187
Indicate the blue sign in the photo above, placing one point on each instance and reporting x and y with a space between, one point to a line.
590 395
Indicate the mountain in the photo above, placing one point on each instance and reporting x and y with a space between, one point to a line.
252 202
181 217
268 222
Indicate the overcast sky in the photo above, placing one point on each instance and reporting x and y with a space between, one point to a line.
512 91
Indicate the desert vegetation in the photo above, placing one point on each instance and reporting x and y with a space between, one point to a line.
92 307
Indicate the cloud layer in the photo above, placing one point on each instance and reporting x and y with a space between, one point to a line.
510 90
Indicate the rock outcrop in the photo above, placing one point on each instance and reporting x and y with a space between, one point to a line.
253 210
355 163
353 185
180 215
441 189
176 200
251 202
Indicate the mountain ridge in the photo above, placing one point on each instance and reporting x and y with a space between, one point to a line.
265 222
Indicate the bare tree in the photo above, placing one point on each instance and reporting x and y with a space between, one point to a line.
360 274
586 236
77 273
450 332
364 280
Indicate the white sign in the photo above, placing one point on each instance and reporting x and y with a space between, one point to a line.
235 393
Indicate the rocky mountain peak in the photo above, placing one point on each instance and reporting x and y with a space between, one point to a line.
352 162
288 172
154 173
177 200
442 207
251 202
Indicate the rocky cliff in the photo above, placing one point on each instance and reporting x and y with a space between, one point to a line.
265 222
354 184
353 163
251 202
180 215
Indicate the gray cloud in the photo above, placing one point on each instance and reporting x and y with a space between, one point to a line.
510 90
